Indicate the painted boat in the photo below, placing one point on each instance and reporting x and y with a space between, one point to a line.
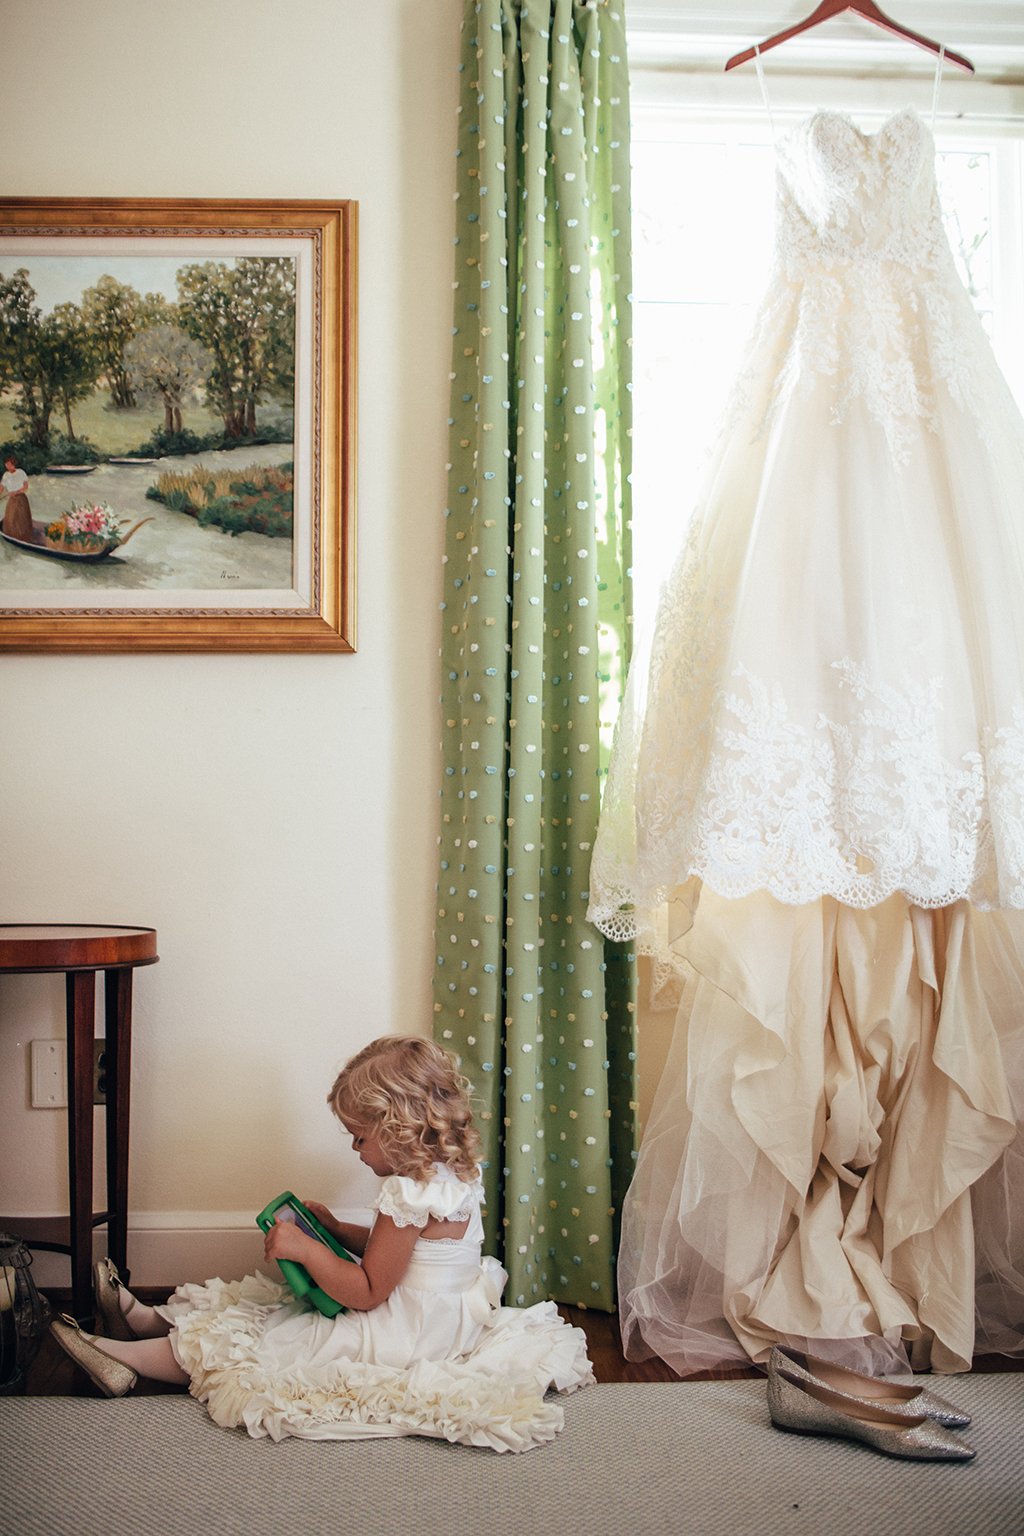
58 552
130 459
70 469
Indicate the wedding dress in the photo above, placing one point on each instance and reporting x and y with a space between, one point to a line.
814 817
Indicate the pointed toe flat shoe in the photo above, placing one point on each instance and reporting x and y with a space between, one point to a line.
806 1408
908 1399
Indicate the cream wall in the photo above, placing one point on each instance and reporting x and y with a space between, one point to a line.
272 816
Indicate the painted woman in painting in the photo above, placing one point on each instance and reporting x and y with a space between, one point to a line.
17 513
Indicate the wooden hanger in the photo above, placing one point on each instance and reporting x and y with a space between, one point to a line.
870 12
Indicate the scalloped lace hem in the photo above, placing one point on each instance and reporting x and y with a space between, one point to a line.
629 918
859 807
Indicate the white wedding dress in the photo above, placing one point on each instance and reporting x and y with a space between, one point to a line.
814 818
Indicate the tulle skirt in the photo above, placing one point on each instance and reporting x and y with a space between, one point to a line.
833 1155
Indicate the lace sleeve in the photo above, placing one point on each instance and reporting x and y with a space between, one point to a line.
414 1202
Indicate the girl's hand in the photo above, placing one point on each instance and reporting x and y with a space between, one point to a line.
285 1241
322 1214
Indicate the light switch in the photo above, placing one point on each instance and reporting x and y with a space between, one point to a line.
49 1074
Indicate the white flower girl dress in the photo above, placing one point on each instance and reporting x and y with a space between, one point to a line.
441 1357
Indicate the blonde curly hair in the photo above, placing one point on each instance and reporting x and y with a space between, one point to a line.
410 1094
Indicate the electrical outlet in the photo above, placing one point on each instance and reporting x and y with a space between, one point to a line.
99 1071
49 1074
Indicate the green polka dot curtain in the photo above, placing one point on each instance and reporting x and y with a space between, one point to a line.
535 1002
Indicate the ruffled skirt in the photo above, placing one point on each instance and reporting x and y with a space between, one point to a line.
833 1156
441 1357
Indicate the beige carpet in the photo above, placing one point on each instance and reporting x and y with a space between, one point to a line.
658 1459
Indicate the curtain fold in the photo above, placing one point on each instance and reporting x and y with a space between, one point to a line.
536 1003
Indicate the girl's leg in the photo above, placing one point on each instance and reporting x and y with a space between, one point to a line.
145 1322
150 1357
119 1314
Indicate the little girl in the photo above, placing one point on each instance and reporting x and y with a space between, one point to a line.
425 1348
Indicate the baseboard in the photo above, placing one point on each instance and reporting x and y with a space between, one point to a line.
165 1248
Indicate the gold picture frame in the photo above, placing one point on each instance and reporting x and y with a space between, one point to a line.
236 313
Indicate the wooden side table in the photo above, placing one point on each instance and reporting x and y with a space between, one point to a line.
80 950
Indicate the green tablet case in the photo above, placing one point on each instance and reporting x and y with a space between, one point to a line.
297 1275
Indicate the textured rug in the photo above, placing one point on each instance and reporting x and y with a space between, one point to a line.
657 1459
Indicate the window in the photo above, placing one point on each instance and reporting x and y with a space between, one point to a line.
703 220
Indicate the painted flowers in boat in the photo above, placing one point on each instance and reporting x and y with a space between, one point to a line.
86 527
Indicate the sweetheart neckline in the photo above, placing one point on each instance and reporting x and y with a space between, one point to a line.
867 139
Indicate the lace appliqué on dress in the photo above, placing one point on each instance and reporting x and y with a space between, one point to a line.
857 808
865 298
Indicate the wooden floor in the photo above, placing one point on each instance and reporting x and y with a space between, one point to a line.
604 1346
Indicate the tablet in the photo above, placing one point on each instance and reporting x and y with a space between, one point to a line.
288 1208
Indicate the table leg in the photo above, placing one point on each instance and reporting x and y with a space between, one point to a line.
117 996
81 1028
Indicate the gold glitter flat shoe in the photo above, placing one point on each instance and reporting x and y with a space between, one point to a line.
810 1409
908 1399
107 1287
112 1377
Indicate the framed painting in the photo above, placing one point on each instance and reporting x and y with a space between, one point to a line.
177 425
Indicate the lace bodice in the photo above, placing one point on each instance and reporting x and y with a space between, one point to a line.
848 196
864 289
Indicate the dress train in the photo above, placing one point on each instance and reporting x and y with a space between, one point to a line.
843 1086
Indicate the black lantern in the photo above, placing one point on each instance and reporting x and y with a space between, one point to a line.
24 1314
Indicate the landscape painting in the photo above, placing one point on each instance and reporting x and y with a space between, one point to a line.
176 415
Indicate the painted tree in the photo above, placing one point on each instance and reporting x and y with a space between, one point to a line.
244 315
167 364
27 360
115 313
74 357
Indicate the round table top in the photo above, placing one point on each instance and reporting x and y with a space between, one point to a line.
74 946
